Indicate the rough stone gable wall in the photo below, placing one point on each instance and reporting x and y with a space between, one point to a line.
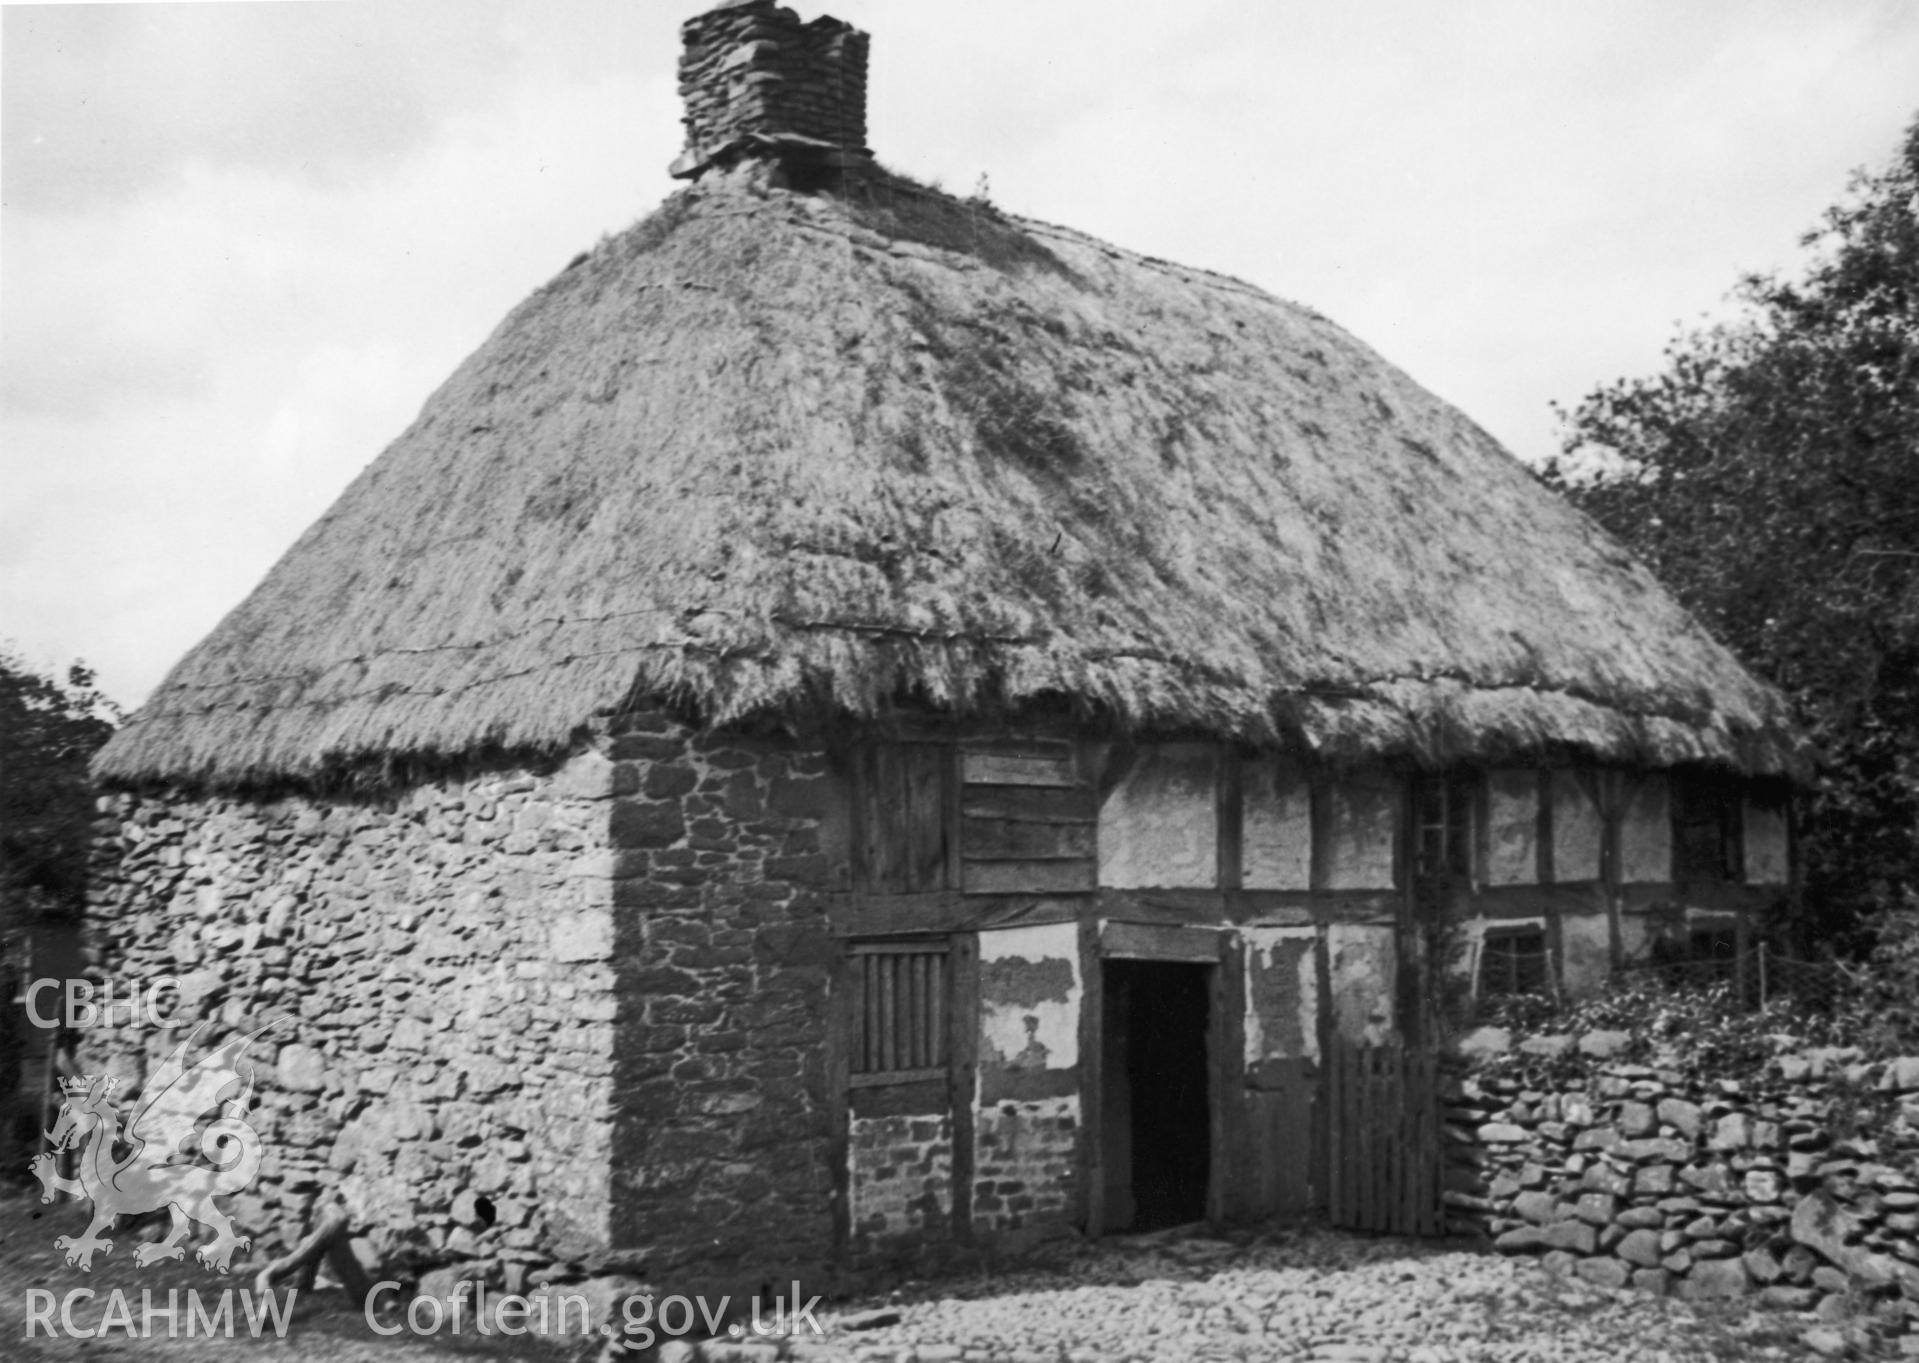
574 1016
449 1044
725 848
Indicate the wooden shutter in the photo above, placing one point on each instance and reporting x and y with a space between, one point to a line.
903 817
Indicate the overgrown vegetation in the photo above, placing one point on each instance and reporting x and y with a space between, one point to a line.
1770 476
895 206
49 729
1712 1032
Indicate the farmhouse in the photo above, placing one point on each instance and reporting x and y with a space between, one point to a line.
857 722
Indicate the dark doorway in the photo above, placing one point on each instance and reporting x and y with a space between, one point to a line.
1156 1117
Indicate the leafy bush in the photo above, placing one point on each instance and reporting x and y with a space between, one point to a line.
1767 476
1878 1011
1700 1030
48 731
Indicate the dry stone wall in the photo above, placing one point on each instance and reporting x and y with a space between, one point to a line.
1800 1185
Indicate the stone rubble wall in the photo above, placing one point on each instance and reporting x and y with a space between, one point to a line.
1801 1186
901 1180
563 1017
447 1060
1026 1170
725 851
754 69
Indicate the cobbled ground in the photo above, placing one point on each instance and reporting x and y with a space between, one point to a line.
1314 1295
1280 1295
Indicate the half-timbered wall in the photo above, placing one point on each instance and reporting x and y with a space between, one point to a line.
1295 884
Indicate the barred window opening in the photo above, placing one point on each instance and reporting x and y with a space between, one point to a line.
902 993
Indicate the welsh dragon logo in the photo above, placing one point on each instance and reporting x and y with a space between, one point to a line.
154 1172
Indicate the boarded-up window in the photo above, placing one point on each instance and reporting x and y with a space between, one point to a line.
904 817
1707 841
1027 819
900 999
1513 961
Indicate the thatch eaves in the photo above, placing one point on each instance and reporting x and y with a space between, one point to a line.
770 452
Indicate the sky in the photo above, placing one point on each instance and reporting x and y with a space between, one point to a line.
240 243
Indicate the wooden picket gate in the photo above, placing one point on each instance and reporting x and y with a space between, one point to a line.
1383 1138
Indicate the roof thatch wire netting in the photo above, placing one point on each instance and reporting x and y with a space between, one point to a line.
769 452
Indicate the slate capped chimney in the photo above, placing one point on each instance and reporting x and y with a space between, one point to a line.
758 82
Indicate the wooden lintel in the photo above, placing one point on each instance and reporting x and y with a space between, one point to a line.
1160 942
1030 877
1535 901
1163 906
946 912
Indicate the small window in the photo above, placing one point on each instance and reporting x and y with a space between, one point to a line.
900 1001
904 804
1707 830
1443 814
1713 944
1514 961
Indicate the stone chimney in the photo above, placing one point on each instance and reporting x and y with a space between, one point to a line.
758 82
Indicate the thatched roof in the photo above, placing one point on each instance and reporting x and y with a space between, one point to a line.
779 453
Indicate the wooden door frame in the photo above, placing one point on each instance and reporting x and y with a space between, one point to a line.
1215 947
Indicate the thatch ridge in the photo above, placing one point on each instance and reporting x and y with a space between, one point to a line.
818 454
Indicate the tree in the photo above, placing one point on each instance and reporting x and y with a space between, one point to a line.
48 731
1770 475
